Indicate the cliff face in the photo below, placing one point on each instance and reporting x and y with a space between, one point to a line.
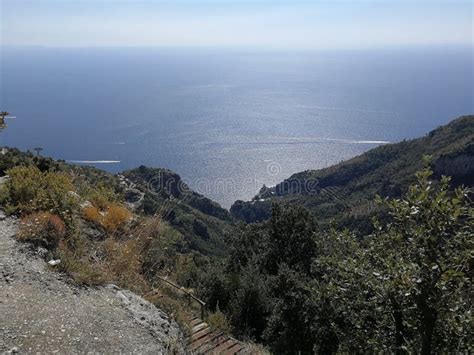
40 311
459 166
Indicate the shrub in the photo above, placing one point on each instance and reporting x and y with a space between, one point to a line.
29 190
218 321
425 254
75 261
115 217
159 244
200 229
100 196
112 219
22 187
92 214
42 228
123 264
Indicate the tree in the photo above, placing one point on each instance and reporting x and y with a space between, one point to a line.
424 258
38 150
404 289
288 327
250 303
291 239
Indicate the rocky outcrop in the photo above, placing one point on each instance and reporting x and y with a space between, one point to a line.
133 196
460 168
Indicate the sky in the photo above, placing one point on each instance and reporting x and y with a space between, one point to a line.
303 24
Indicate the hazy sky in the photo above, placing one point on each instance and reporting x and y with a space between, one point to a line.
231 23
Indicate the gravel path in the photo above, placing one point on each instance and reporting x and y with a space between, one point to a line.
41 312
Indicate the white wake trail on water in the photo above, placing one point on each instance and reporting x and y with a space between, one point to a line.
336 140
93 161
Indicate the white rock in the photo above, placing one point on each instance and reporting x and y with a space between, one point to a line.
54 262
74 194
86 204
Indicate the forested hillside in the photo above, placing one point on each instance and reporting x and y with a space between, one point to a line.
332 267
405 288
343 194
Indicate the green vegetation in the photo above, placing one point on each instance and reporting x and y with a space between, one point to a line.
343 195
331 268
51 216
218 321
202 222
81 216
29 190
404 288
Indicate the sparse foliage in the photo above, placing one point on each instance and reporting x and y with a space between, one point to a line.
42 228
218 321
111 219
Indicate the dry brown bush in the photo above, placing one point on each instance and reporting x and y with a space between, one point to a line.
92 214
115 217
111 219
42 228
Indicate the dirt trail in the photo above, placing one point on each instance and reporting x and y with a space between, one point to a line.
40 311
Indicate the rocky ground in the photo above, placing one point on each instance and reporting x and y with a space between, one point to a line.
41 311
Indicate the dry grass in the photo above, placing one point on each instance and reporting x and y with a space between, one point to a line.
122 263
113 218
158 246
79 261
175 305
98 262
92 214
218 321
256 349
42 228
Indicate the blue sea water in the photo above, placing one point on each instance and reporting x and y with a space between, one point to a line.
228 121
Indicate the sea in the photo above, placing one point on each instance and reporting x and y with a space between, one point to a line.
227 120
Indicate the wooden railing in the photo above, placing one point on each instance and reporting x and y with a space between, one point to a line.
201 303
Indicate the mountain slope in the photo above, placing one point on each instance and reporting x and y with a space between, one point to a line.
149 191
41 311
344 192
202 222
